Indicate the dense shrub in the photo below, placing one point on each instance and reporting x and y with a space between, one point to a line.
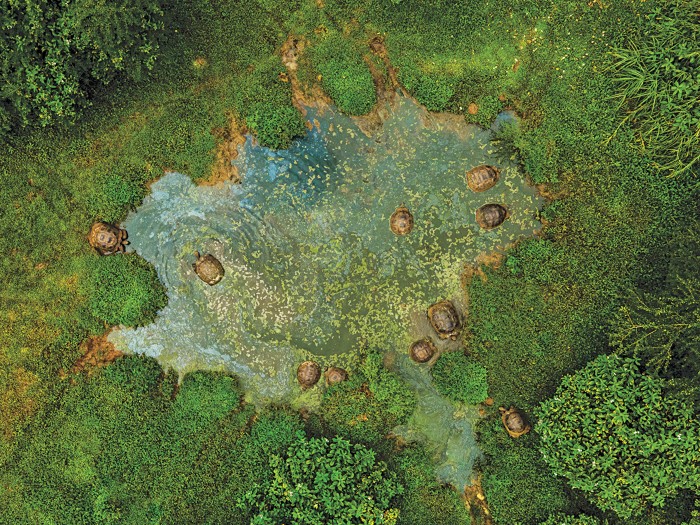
324 481
610 432
275 126
460 378
53 53
124 289
344 75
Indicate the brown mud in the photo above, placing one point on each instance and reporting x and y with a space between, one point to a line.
475 500
96 352
228 140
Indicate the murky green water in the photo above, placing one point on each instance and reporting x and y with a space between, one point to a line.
312 268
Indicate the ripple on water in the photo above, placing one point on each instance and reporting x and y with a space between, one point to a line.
311 264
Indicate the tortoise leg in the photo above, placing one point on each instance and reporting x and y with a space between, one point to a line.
125 234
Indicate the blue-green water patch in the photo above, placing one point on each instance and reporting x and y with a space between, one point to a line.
312 268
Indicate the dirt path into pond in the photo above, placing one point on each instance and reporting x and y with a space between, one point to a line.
475 500
228 140
96 352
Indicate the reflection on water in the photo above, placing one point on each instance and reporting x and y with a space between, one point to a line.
312 267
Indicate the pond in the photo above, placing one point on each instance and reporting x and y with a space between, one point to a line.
313 270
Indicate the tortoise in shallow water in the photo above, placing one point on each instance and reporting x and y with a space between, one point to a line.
335 375
490 216
422 351
208 268
482 178
308 374
107 238
401 221
444 319
513 422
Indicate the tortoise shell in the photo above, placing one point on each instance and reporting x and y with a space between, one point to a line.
422 351
401 221
107 238
482 178
208 269
335 375
491 215
444 319
514 422
308 374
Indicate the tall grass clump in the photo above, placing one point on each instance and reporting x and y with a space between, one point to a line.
659 85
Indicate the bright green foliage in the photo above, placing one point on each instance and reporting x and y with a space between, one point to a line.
124 289
659 85
564 519
325 481
611 432
53 53
263 100
426 501
369 404
460 378
520 489
344 75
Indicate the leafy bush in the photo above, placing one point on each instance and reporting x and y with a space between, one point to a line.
659 86
275 126
344 75
124 289
54 52
460 378
324 481
610 432
434 90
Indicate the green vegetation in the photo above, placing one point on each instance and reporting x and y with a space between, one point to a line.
460 378
612 433
324 481
344 75
125 290
55 54
367 406
659 85
99 100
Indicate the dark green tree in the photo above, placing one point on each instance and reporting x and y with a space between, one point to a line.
53 53
611 433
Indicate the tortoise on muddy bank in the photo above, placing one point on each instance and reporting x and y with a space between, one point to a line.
208 268
401 221
514 422
490 216
482 178
422 351
107 238
335 375
444 319
308 374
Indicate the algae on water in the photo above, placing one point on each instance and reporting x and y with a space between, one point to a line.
312 268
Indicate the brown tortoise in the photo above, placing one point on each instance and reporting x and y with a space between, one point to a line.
308 374
490 216
444 319
422 351
401 221
513 422
107 238
208 268
482 178
335 375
